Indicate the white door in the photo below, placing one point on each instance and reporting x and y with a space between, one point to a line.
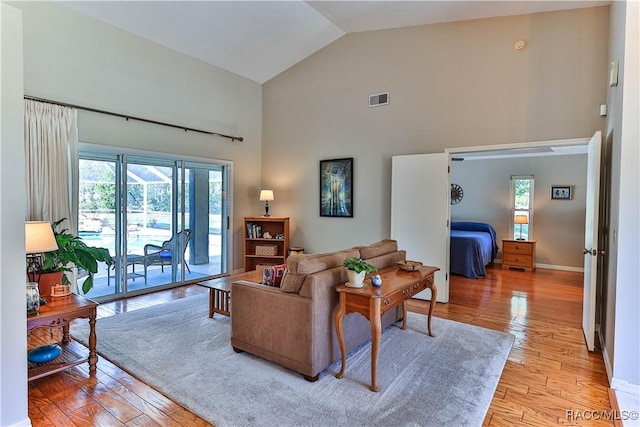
591 241
420 213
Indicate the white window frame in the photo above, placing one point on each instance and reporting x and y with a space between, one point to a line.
512 202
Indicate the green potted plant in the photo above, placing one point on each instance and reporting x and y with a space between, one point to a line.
357 269
72 251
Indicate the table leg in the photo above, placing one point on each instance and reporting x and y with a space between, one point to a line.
93 355
432 304
211 294
340 333
376 331
404 314
65 333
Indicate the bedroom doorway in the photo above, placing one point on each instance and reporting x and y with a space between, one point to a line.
409 226
594 239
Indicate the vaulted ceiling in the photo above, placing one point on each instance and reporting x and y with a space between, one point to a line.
260 39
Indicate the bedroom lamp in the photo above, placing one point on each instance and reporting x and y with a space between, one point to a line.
521 219
39 239
266 196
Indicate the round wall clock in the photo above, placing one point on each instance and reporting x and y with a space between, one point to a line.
456 194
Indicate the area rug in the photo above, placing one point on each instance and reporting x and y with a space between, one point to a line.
446 380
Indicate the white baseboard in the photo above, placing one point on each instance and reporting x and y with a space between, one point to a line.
628 402
625 386
550 266
607 362
22 423
560 267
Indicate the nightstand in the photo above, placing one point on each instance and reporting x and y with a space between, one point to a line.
520 254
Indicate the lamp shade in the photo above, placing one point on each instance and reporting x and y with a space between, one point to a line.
522 219
39 237
266 195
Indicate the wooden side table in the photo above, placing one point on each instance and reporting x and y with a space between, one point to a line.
60 312
519 254
372 302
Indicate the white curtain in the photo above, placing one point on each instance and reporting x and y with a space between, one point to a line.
51 155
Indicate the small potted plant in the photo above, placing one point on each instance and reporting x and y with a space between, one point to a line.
357 269
72 251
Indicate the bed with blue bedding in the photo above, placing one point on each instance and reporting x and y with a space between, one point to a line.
473 246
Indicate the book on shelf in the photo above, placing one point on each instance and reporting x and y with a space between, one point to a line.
254 231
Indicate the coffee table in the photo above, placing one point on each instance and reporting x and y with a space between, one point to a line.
372 302
220 291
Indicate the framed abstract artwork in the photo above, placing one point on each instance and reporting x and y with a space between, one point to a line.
336 188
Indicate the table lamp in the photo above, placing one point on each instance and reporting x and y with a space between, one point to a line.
521 219
39 239
266 196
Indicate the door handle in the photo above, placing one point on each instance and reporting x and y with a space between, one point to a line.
590 251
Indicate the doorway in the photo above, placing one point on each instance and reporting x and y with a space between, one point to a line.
164 220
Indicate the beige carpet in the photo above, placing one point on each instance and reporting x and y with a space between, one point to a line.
448 380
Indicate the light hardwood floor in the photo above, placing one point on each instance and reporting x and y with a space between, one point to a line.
549 371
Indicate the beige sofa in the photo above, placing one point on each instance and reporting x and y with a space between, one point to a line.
294 325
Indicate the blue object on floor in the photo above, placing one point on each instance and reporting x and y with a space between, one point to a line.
44 354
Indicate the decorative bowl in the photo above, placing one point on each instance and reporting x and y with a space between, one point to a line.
408 265
44 354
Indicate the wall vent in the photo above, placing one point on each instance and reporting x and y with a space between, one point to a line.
379 99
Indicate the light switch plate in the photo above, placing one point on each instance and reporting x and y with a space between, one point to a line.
613 74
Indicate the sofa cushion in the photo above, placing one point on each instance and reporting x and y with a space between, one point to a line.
387 260
300 266
382 247
272 275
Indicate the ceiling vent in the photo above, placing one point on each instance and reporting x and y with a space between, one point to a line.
379 99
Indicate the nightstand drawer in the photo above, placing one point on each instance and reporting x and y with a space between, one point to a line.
517 259
517 248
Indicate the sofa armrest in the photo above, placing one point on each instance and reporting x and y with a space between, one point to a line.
272 324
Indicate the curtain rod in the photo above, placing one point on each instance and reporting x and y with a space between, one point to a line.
127 117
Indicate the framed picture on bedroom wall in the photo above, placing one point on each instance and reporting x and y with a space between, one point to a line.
336 188
561 192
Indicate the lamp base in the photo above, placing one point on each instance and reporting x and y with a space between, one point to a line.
266 209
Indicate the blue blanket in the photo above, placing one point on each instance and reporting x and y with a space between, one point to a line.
473 245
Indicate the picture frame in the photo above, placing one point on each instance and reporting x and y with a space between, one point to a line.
561 192
336 188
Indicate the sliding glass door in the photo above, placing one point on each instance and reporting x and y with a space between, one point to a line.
164 221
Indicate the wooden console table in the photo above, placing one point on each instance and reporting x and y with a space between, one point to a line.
372 302
59 312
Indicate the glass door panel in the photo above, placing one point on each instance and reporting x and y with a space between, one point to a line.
205 217
149 215
164 221
97 221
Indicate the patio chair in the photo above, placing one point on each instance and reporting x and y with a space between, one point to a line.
163 254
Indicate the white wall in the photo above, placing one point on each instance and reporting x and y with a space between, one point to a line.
622 347
73 58
13 327
451 85
558 225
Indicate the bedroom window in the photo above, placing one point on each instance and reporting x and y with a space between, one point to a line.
522 207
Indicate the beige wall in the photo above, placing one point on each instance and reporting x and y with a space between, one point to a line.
71 58
451 85
621 317
558 225
13 328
